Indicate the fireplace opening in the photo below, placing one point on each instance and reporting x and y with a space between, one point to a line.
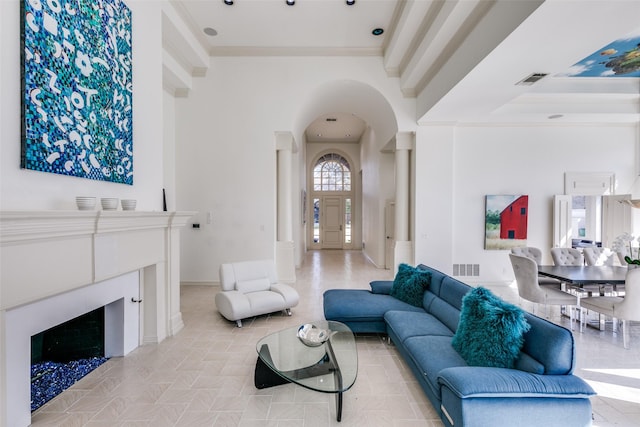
64 354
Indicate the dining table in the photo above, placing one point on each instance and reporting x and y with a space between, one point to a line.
585 274
578 276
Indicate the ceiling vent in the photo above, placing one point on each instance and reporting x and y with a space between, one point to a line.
331 119
531 79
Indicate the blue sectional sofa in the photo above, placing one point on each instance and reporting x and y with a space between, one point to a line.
540 390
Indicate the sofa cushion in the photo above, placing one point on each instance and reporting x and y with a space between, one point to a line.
253 285
432 354
490 332
360 305
549 344
409 284
406 324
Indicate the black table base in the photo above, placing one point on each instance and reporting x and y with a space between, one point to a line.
265 376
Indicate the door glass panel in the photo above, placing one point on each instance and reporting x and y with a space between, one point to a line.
347 220
586 220
316 220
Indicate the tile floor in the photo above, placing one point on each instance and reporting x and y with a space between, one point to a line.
204 375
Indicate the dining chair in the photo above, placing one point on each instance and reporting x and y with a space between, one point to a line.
625 309
567 256
598 256
536 255
526 272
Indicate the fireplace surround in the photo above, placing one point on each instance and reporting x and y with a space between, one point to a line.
56 265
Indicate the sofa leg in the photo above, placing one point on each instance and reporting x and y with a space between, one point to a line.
288 310
239 323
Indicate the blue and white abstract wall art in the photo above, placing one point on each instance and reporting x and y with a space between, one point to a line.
77 92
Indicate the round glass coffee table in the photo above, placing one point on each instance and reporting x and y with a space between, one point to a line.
328 367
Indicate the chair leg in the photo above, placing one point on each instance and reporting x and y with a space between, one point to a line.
570 308
625 334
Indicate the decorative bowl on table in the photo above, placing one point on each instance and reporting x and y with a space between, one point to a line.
109 204
85 203
313 336
128 204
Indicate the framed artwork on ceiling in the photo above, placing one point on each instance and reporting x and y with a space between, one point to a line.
77 92
505 224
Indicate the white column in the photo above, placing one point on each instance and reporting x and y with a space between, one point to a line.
285 257
403 251
178 221
285 204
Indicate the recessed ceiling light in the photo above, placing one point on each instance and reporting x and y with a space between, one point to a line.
377 31
228 2
319 134
351 2
210 31
290 2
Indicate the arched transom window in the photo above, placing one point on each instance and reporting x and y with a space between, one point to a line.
332 173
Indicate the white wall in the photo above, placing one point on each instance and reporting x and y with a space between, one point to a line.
31 190
225 145
169 149
487 160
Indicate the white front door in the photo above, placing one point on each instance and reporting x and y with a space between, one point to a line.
332 222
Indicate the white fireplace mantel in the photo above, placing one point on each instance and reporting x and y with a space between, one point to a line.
51 254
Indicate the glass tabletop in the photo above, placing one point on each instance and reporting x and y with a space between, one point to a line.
331 367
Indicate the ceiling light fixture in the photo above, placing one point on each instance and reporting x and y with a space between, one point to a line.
210 31
377 31
351 2
290 2
228 2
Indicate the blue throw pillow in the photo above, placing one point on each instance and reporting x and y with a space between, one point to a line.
490 331
409 284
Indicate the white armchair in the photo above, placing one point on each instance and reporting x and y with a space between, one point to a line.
251 288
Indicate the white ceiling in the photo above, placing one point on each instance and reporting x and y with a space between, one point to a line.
460 59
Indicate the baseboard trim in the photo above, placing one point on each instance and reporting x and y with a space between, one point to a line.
200 284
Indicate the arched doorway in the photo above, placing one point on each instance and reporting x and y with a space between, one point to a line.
332 201
371 164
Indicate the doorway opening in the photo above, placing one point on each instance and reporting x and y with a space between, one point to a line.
332 201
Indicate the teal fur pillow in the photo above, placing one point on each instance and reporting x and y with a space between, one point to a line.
490 331
409 284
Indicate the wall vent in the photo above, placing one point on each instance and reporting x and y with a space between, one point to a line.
531 79
466 269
